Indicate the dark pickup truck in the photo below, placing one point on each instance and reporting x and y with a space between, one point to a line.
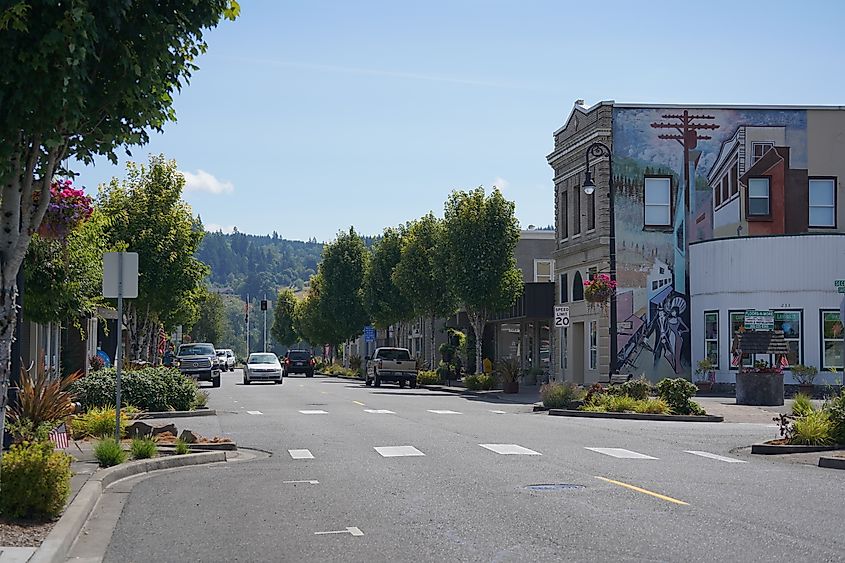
200 362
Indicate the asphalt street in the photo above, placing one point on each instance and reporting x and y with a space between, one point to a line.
389 474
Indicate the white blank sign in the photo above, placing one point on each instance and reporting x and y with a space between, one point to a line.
111 275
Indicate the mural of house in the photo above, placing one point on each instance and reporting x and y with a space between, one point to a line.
685 176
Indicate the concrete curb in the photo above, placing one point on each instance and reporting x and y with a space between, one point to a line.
775 449
174 414
213 447
637 416
55 547
832 462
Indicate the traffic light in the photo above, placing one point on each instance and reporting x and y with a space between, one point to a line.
263 304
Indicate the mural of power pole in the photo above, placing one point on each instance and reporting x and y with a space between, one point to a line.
688 127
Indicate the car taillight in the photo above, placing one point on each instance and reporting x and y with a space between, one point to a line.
379 364
313 361
287 361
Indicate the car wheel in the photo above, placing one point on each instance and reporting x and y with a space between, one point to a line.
377 381
309 374
215 381
413 384
246 381
401 384
368 382
278 381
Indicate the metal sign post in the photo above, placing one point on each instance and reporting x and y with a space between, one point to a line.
120 279
842 324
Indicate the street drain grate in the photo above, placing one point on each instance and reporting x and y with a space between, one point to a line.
554 487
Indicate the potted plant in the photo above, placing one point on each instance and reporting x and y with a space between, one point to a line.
805 375
510 370
760 385
599 290
706 371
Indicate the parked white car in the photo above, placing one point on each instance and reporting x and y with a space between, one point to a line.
262 366
226 359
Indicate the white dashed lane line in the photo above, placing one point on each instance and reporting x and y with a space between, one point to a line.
509 449
620 453
398 451
301 454
715 456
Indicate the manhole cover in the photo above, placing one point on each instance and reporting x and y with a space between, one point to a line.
554 487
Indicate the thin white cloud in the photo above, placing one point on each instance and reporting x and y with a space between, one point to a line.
501 183
202 181
214 228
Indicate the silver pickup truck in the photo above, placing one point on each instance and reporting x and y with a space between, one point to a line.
391 364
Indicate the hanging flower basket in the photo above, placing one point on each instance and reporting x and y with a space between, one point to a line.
599 290
68 208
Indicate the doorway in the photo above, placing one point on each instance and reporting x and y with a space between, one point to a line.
577 357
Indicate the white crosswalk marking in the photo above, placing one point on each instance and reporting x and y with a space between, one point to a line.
620 453
509 449
301 454
314 412
379 411
443 412
715 456
254 412
398 451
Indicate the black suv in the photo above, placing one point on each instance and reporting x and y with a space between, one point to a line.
298 361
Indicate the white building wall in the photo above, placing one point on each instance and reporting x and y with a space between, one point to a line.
779 272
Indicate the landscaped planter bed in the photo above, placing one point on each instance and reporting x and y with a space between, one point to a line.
636 416
776 449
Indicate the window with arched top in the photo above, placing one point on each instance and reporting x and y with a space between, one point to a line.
577 287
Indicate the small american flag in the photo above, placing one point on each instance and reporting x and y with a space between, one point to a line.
59 436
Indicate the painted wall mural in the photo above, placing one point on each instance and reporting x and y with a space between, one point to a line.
706 157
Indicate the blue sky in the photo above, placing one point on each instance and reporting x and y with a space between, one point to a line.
307 117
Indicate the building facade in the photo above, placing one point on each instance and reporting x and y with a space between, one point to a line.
682 175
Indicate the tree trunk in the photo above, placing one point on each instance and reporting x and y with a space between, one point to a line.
8 319
478 321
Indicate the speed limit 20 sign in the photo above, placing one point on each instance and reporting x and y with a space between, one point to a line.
562 316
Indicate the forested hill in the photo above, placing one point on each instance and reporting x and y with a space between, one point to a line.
256 264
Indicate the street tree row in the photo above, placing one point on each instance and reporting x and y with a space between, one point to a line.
429 267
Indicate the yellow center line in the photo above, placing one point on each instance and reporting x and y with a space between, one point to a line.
644 491
359 403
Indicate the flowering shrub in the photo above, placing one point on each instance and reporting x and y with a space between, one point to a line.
68 208
96 362
599 289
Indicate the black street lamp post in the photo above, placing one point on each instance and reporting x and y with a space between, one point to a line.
598 150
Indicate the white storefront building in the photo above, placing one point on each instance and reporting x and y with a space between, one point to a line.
791 275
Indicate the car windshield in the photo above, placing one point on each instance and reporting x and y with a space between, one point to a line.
221 352
196 350
393 355
299 355
262 359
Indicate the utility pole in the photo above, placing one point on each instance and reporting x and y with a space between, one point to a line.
246 320
264 308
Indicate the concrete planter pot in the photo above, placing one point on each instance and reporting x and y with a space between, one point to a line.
759 389
510 387
704 386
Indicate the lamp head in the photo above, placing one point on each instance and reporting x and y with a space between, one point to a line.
589 186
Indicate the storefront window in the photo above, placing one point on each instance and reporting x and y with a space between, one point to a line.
594 340
545 346
832 340
711 336
790 323
737 322
509 337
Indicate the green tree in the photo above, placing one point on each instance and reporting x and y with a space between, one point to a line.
150 218
283 318
383 300
64 278
310 322
341 281
211 322
420 276
480 234
79 79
